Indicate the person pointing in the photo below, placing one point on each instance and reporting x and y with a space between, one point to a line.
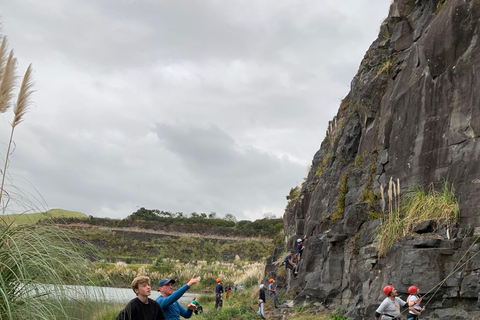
168 299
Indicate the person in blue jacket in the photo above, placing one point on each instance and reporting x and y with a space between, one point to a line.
168 299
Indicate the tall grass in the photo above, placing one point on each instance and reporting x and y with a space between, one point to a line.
121 274
228 313
35 261
440 206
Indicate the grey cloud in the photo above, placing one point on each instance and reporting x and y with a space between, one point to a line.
181 105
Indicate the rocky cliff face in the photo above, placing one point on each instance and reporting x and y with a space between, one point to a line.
413 114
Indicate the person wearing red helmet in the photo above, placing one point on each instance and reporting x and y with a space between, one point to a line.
389 309
414 309
272 291
218 294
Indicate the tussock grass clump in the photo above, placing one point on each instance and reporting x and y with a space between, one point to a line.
440 206
35 263
385 67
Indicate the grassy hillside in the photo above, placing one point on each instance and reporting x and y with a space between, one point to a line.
32 218
138 247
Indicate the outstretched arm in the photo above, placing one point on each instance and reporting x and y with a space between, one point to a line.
165 302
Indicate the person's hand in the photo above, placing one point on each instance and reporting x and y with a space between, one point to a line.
193 281
191 306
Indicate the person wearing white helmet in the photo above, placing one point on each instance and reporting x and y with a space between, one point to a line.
261 300
300 246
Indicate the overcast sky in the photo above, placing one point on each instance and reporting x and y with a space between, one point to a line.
191 106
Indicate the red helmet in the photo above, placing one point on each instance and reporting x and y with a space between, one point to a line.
412 289
218 280
387 290
271 280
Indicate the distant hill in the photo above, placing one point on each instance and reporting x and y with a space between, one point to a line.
32 218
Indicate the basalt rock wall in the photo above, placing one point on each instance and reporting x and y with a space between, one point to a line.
413 116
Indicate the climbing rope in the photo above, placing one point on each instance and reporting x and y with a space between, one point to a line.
454 269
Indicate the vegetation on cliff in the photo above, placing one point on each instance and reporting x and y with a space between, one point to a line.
439 206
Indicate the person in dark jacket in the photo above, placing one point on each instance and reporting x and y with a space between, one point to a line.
142 307
261 300
218 294
289 264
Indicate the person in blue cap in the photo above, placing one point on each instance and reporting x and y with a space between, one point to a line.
168 299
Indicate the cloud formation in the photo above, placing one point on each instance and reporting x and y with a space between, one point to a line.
191 106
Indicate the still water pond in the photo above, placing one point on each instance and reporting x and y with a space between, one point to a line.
122 295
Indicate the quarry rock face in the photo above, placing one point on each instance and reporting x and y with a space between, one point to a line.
412 117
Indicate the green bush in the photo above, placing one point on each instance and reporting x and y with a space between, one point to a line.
339 315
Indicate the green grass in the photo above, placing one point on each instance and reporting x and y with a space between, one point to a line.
386 66
439 206
33 218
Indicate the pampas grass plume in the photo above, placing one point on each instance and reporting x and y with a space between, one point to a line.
8 83
23 100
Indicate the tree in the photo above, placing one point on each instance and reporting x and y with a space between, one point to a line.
212 215
269 216
178 215
230 217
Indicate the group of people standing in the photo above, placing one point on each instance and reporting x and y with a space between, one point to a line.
166 306
272 292
219 292
389 309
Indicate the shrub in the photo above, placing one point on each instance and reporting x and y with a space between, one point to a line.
339 315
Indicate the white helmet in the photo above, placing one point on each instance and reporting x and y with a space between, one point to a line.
299 240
